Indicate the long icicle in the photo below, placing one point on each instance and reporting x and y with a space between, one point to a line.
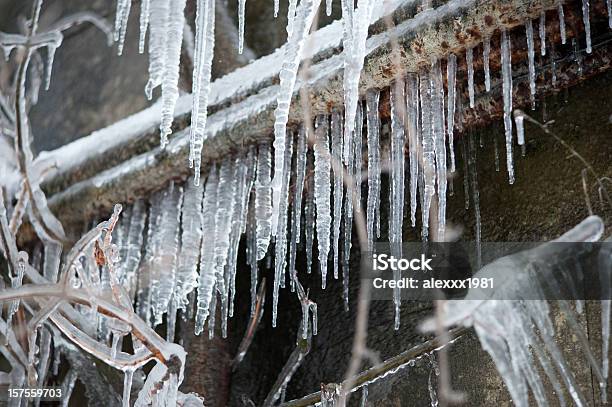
469 60
439 133
586 19
562 23
531 57
204 49
336 152
427 143
396 197
373 124
451 79
322 192
542 31
486 53
414 144
306 12
506 62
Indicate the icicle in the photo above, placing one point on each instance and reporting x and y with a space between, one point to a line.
396 196
336 152
191 241
322 192
157 44
561 23
51 48
163 272
473 174
414 143
427 143
300 173
355 32
309 214
252 254
276 8
520 128
469 60
306 12
354 170
348 226
121 21
486 53
531 55
280 261
144 23
506 63
587 24
358 155
128 377
364 396
241 10
496 148
204 49
244 179
542 30
223 223
328 7
373 123
172 59
171 321
609 7
263 200
206 280
439 133
134 245
451 76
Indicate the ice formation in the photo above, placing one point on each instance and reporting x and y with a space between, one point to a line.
322 192
185 239
519 333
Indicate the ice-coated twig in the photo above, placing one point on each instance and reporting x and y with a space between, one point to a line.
382 370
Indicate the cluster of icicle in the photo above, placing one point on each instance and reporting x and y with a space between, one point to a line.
423 114
519 332
164 20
